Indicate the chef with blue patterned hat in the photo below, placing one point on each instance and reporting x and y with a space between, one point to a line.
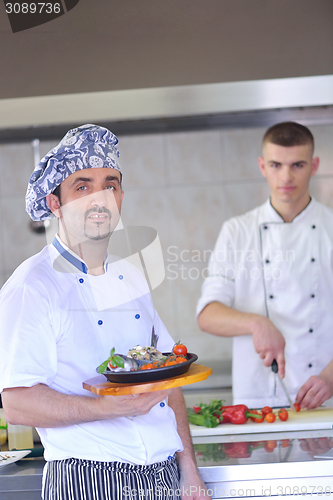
65 308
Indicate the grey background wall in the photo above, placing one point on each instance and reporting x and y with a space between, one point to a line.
183 184
111 44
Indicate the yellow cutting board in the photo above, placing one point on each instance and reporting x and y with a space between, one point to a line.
304 420
99 385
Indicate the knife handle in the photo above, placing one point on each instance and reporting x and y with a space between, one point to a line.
275 367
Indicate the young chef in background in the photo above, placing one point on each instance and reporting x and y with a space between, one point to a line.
61 313
270 283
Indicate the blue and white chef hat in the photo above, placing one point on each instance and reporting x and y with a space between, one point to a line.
87 146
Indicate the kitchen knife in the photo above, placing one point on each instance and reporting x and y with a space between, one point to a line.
275 369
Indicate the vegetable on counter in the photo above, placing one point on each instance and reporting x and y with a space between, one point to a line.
237 414
257 420
283 414
270 417
266 409
214 413
207 415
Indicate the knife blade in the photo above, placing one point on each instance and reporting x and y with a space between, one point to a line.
275 369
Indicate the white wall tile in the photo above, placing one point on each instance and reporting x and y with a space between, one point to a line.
19 241
323 136
16 167
187 293
142 159
240 197
321 188
147 207
193 157
195 214
242 148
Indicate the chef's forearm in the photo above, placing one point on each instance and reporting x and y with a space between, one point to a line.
327 375
218 319
40 406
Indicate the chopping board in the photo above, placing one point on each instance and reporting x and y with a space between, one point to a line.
99 385
304 420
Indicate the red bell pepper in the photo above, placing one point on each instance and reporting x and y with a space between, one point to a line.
237 414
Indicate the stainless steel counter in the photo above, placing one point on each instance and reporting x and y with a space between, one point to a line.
249 466
22 480
275 464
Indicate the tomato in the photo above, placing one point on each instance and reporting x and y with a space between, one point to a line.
285 443
180 359
148 366
283 415
179 349
257 420
170 362
270 417
297 406
266 409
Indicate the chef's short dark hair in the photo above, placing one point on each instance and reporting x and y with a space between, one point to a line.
289 134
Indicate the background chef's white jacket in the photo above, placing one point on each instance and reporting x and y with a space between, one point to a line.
263 265
57 324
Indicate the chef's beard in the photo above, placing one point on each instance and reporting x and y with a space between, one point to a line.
97 234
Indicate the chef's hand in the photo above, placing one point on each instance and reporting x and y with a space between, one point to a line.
131 404
269 342
193 488
316 390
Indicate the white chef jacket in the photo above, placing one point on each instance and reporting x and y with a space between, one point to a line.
57 324
266 266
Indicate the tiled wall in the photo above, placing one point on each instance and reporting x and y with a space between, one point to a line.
183 184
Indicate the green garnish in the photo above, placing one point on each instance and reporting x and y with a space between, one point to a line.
115 361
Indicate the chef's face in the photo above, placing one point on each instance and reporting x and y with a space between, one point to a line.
288 171
90 205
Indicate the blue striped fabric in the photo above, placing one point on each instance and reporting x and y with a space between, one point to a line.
77 479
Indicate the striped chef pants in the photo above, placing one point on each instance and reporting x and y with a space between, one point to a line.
77 479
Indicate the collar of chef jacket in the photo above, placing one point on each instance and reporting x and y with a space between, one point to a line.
72 258
274 216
